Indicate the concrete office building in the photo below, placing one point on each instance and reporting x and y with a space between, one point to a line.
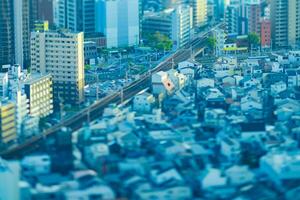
39 92
119 21
41 10
22 32
75 15
6 33
15 32
62 56
8 131
176 23
285 22
60 13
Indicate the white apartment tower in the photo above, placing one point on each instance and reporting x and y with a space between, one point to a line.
182 24
61 55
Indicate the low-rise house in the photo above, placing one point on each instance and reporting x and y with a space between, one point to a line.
161 84
35 165
205 82
230 148
239 175
143 102
278 87
165 193
214 117
282 168
292 78
213 178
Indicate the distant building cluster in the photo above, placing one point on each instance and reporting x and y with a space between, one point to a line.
226 132
223 124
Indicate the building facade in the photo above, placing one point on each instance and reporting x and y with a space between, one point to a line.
119 21
75 15
175 23
61 55
285 22
8 131
22 32
39 92
199 12
253 10
265 33
6 33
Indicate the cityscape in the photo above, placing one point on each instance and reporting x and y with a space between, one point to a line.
149 99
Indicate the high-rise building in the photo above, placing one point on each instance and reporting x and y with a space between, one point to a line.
182 25
232 19
175 23
3 84
75 15
199 12
265 33
15 32
41 10
285 22
8 131
60 13
60 54
6 33
38 90
119 21
21 102
22 32
253 12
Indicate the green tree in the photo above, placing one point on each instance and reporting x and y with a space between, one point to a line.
159 41
253 39
211 43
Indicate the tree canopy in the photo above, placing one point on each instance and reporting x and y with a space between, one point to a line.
211 43
253 39
159 41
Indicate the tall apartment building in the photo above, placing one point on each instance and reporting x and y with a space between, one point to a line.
176 23
119 21
75 15
265 33
8 131
6 33
232 19
39 92
182 25
199 12
253 12
61 55
285 22
3 85
21 108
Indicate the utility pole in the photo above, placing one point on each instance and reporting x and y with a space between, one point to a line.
173 64
122 95
61 107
